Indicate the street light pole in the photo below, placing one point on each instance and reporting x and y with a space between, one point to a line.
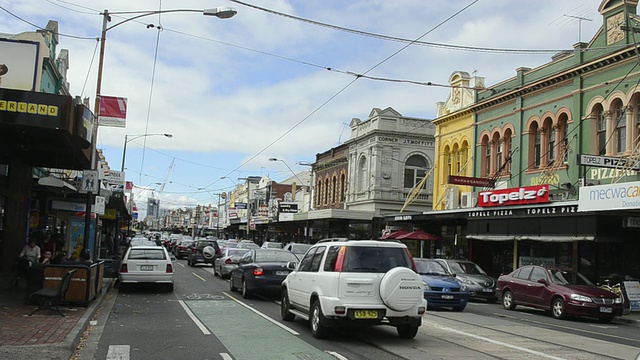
126 140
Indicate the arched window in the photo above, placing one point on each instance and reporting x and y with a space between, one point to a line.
549 150
563 126
601 131
362 174
621 127
537 144
506 150
415 169
319 192
486 159
343 187
334 189
464 157
499 151
326 191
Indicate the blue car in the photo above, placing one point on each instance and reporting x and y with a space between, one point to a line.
441 288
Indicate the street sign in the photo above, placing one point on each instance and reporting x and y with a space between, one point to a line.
89 181
608 162
241 205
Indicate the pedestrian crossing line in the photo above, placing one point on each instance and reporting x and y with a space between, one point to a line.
119 352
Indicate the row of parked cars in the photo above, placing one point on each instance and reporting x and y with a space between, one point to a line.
372 282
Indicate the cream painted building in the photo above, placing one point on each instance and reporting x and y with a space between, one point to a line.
455 142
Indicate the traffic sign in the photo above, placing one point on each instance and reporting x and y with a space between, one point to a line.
89 181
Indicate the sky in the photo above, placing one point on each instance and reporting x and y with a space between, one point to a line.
280 78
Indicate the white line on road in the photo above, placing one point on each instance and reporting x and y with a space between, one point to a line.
286 328
336 355
499 343
226 356
199 277
194 318
119 352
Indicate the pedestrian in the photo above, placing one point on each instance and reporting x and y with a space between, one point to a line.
31 251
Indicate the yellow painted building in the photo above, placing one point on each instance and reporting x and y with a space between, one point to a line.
455 142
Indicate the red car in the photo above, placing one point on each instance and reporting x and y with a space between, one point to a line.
563 292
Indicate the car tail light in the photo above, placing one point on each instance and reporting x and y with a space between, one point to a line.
123 268
413 263
219 252
339 310
421 310
228 261
340 259
169 268
181 247
258 271
194 250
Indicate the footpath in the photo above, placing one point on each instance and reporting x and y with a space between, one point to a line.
45 334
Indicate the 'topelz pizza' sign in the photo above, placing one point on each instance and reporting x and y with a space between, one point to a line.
514 196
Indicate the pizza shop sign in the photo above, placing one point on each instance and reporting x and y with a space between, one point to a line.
514 196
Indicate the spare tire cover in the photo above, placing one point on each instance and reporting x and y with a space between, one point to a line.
208 252
401 289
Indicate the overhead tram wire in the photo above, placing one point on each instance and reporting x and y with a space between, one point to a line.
43 29
347 86
423 43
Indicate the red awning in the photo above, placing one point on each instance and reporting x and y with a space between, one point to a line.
418 235
393 235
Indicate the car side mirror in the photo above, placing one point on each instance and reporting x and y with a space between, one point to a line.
291 265
543 281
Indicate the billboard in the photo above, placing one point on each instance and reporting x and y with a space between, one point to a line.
619 196
18 64
113 111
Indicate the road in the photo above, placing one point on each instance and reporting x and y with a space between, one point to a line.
202 319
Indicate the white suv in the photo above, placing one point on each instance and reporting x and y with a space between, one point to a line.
366 282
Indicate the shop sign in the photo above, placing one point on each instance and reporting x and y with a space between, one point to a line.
532 211
619 196
536 260
402 217
112 177
19 64
633 293
609 162
632 222
471 181
288 207
514 196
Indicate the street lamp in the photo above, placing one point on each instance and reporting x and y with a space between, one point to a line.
133 137
287 165
230 179
220 12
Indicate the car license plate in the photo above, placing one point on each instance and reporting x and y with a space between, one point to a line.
282 273
146 267
604 309
366 314
487 290
447 297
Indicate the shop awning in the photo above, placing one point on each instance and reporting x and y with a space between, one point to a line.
393 235
53 181
560 238
419 235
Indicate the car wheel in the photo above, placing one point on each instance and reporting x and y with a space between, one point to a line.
492 300
316 319
231 287
407 331
190 262
170 288
557 309
285 306
246 293
459 308
507 300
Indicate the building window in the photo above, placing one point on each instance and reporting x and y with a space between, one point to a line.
458 161
334 189
487 154
319 192
506 150
621 129
552 144
602 133
537 147
362 174
343 187
449 165
326 191
484 160
415 169
564 125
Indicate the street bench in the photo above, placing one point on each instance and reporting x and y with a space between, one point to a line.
49 298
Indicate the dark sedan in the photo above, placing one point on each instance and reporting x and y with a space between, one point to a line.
261 270
560 291
441 288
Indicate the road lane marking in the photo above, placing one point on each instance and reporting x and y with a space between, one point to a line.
286 328
336 355
194 318
226 356
119 352
478 337
199 277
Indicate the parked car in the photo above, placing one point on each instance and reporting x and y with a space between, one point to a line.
355 282
562 292
222 266
204 251
247 244
146 264
441 288
479 284
298 249
182 248
272 245
261 270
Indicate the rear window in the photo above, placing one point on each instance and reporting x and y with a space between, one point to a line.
147 254
275 256
375 259
236 252
202 244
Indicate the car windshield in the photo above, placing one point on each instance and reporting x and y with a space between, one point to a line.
236 252
465 268
430 267
568 277
299 248
278 256
146 254
375 259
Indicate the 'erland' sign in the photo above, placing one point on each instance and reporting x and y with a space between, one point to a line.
514 196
